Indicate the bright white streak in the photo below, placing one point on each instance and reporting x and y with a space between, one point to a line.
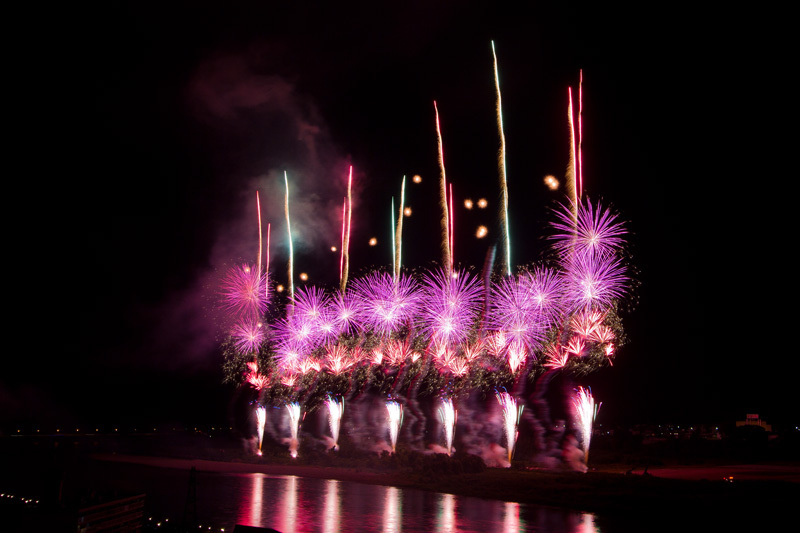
341 256
261 420
394 241
448 416
335 411
395 411
502 164
294 423
511 415
586 412
572 179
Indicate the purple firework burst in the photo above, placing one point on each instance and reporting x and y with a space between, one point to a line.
517 314
248 336
594 232
594 282
243 291
452 304
387 305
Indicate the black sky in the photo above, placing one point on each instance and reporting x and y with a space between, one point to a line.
141 132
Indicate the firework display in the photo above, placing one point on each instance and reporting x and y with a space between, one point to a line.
421 341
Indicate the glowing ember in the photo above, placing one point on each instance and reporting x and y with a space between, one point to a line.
373 241
481 232
417 178
551 182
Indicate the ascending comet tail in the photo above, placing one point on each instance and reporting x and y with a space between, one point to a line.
502 165
346 245
289 231
446 261
260 251
572 180
398 236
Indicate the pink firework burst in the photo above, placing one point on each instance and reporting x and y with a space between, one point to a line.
387 305
518 315
557 356
248 336
594 283
545 288
595 232
243 291
452 305
337 359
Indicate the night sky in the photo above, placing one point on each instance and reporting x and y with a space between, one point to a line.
140 133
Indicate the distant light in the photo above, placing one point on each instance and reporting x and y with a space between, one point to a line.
333 248
551 182
303 276
279 288
407 211
482 203
417 178
373 241
468 203
482 231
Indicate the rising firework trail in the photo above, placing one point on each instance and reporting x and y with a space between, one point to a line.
346 245
335 412
261 420
502 166
395 412
446 260
294 424
289 232
511 416
580 134
341 254
448 416
572 180
585 413
398 236
260 251
452 231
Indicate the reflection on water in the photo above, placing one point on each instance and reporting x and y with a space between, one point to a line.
392 511
291 504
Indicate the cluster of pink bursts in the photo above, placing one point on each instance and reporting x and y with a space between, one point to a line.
458 320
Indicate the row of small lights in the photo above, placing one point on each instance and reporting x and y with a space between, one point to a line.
166 520
97 430
19 498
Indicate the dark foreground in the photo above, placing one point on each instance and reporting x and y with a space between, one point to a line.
624 497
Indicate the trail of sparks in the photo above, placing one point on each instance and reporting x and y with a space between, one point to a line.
452 232
289 232
393 230
294 425
346 245
341 254
260 251
398 237
446 260
586 412
511 416
580 134
261 420
335 412
572 185
502 165
395 411
448 416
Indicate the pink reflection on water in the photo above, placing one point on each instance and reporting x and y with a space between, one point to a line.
587 524
252 506
446 520
332 520
511 518
286 512
392 511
